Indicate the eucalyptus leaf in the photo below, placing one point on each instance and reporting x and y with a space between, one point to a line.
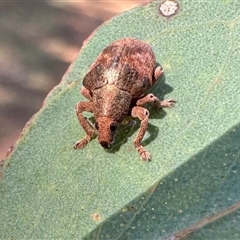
191 188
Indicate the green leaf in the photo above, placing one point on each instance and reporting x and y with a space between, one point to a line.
192 184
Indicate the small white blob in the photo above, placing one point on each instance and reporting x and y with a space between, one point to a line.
168 8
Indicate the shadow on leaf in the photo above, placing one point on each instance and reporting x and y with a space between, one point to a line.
132 126
182 198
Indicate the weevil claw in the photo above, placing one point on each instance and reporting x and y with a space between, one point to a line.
168 103
145 155
80 144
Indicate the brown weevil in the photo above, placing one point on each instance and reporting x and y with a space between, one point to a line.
116 86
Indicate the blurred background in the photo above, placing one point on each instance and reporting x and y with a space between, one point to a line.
38 41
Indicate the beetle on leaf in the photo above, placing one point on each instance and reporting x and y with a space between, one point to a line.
116 86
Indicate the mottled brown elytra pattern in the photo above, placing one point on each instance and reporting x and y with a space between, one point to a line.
116 86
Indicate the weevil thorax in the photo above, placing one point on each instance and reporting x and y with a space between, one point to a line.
110 101
110 106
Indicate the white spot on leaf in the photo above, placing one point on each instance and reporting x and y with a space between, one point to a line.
168 8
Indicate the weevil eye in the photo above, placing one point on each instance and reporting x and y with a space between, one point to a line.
96 125
113 127
145 82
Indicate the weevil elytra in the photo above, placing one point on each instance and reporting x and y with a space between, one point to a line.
116 86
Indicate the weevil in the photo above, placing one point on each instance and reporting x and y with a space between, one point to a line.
116 87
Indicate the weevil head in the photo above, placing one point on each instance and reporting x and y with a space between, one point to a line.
106 129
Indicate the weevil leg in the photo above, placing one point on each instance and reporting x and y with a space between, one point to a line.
142 114
150 98
158 72
85 92
81 107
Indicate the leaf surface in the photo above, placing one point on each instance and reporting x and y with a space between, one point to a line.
192 185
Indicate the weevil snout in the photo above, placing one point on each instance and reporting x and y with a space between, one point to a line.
106 129
105 144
